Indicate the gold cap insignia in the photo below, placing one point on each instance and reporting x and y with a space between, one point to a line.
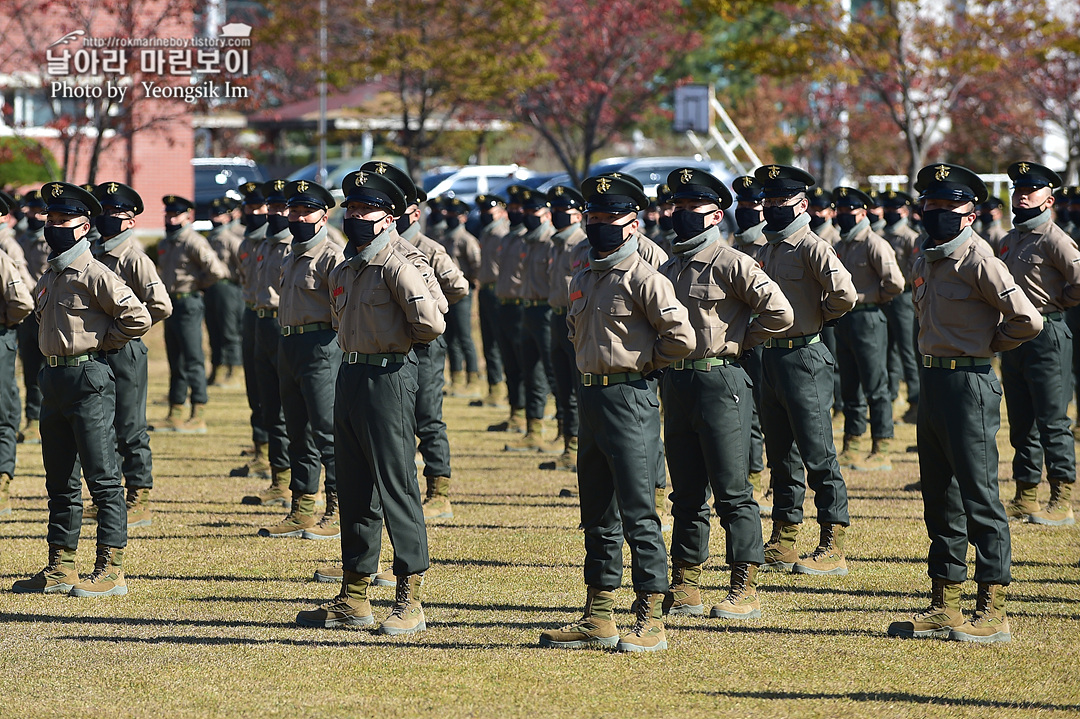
380 168
559 190
279 185
361 178
1023 168
747 181
57 189
942 172
170 199
526 195
112 188
249 187
302 186
892 193
686 175
843 192
774 172
603 184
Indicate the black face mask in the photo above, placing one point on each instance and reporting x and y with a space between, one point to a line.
604 237
777 218
172 230
687 224
891 218
108 225
34 224
941 225
60 239
360 232
486 218
747 217
276 223
649 224
452 221
665 223
254 222
561 220
1074 216
302 231
846 223
516 218
816 221
403 223
532 222
1023 214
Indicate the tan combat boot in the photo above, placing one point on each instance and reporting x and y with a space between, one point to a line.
828 558
647 634
763 502
58 576
596 626
138 508
257 466
350 608
406 616
196 423
107 579
383 577
780 554
328 575
173 422
437 503
877 461
988 624
301 517
853 448
329 524
683 596
533 441
567 461
514 423
473 385
31 433
455 385
1058 511
277 494
5 493
742 599
938 620
1025 503
663 509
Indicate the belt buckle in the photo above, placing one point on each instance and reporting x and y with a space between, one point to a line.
769 343
53 361
586 379
927 361
678 364
952 364
286 331
353 357
603 380
791 344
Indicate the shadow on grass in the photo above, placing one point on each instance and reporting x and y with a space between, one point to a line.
364 638
892 697
456 606
784 631
8 617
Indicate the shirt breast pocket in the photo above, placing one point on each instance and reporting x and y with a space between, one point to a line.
953 291
377 307
75 303
309 282
790 272
704 299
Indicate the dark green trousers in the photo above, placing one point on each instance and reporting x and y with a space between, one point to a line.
430 427
828 337
32 362
1072 319
489 334
307 372
707 419
459 341
224 315
132 439
509 327
77 410
959 417
564 369
1037 378
251 384
267 335
10 407
751 362
184 347
796 398
618 458
536 359
374 430
861 343
903 360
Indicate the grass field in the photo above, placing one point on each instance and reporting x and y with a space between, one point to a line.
207 628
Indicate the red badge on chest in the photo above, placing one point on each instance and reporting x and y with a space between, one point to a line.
919 282
576 295
259 258
337 291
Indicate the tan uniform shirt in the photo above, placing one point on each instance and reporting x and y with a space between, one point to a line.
511 282
491 242
536 266
994 234
17 302
36 251
419 260
1045 264
187 263
732 304
269 257
464 250
305 284
246 266
752 249
564 242
651 252
626 319
383 306
872 264
828 232
85 308
10 246
968 304
130 262
451 280
812 277
226 244
905 241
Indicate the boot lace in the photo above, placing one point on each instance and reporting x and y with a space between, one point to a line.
402 599
54 562
740 576
101 566
642 615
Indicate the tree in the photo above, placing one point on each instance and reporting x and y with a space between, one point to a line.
607 60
